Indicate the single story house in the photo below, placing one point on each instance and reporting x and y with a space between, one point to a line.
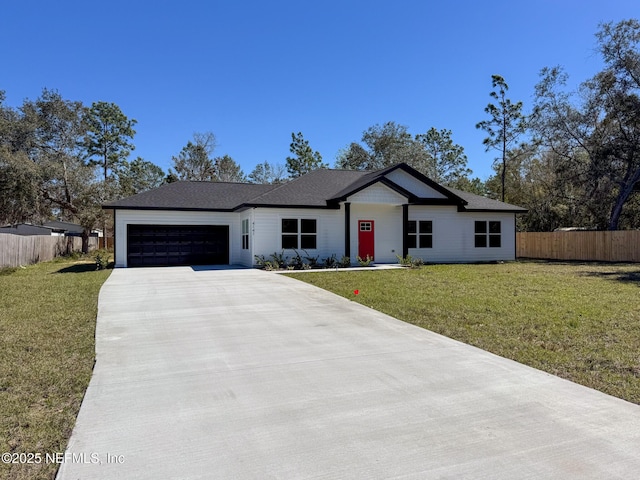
385 213
71 229
29 229
51 228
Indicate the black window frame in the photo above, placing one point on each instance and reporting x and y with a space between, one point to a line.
488 234
420 234
299 232
308 234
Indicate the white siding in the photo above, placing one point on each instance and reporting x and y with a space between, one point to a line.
454 235
268 231
377 193
453 231
412 184
387 230
246 256
169 217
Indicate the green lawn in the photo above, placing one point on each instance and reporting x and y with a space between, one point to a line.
577 321
47 327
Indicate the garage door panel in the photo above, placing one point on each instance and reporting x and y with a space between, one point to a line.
156 245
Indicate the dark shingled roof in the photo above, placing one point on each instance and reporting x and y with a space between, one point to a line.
318 189
66 226
310 190
480 203
185 195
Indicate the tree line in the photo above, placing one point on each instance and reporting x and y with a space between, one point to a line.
62 159
572 160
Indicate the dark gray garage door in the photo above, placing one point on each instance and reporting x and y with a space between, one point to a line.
160 245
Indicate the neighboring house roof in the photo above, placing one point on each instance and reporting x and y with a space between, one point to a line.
64 226
27 229
47 228
320 188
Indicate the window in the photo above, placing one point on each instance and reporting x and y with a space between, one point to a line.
245 234
302 232
308 234
420 234
488 234
289 233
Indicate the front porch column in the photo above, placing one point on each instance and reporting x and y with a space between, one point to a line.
347 229
405 225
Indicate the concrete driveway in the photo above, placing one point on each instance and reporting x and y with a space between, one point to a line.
244 374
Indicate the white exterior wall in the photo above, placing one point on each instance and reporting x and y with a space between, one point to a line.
267 231
384 206
454 235
170 217
377 193
387 230
453 231
246 256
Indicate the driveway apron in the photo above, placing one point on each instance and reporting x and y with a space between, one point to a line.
244 374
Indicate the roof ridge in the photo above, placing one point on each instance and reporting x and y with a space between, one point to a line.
278 186
214 181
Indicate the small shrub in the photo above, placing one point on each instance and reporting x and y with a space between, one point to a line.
330 262
296 261
405 261
77 255
261 261
312 261
280 259
410 262
102 260
345 262
364 262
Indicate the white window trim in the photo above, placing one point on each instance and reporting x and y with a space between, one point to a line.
246 234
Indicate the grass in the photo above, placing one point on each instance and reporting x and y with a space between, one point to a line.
578 321
47 328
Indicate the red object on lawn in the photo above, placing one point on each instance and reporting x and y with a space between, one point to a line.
356 292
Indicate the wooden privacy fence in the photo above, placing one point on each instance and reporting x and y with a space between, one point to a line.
16 250
601 246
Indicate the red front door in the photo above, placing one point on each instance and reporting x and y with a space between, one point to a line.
366 241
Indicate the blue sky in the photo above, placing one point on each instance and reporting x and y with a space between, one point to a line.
253 72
